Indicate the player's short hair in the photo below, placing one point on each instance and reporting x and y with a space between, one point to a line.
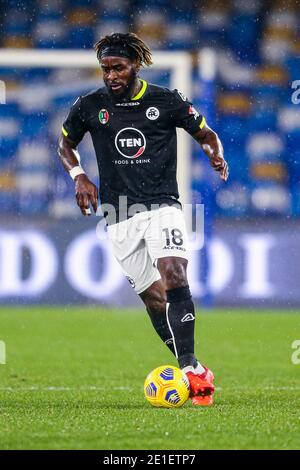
135 48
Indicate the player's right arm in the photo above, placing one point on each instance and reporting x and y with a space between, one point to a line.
73 131
86 192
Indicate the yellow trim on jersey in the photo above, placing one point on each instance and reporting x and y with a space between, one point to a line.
202 123
141 92
65 133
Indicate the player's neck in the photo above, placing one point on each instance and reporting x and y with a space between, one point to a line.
136 88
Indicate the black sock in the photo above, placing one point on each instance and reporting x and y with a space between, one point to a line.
159 322
181 321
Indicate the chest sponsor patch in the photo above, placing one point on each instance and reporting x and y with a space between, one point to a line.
130 142
152 113
103 116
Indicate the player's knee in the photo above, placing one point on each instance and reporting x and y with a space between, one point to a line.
174 274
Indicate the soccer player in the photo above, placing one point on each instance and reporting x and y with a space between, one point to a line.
133 127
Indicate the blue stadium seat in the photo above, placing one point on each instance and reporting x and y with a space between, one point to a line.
180 34
295 193
289 125
34 192
83 3
35 125
265 146
233 200
153 4
80 37
10 125
263 120
270 198
243 36
50 33
9 202
19 24
293 66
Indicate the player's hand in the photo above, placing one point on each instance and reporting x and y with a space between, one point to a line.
86 194
219 164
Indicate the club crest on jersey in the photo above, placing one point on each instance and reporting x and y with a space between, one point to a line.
103 116
130 142
152 113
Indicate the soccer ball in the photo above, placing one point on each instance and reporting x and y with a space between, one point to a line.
167 387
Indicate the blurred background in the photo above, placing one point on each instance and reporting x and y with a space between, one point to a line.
50 254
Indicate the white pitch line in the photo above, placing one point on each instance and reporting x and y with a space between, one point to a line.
289 389
62 389
92 388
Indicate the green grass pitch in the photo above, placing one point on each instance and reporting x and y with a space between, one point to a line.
74 380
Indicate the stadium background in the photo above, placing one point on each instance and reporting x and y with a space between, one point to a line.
71 376
50 254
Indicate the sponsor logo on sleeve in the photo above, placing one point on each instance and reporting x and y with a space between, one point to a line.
193 111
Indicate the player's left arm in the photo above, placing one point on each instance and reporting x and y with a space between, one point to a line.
212 146
184 115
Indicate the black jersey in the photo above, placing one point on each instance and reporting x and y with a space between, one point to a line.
134 141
